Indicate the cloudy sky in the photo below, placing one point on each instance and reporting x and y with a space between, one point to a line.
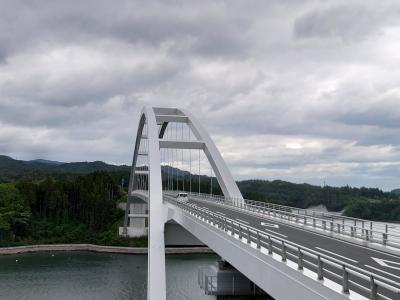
305 91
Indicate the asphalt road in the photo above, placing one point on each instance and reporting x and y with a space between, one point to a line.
371 260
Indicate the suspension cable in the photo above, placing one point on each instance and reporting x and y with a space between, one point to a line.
199 171
183 173
190 166
211 177
167 153
176 157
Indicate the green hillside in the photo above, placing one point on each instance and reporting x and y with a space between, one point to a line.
363 202
12 169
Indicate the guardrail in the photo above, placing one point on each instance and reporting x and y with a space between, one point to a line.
357 228
351 278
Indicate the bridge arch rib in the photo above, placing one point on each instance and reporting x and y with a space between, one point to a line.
152 125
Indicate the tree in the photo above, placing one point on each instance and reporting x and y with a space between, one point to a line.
14 214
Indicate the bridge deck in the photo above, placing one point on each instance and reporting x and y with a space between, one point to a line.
375 262
360 256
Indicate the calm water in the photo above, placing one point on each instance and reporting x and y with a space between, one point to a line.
83 275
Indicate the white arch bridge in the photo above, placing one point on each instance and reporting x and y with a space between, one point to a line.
289 253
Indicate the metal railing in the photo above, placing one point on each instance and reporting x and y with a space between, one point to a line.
351 227
349 277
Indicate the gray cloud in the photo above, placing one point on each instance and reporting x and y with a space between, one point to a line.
299 90
349 21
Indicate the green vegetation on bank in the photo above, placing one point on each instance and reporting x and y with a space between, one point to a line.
45 202
377 210
306 195
366 203
80 209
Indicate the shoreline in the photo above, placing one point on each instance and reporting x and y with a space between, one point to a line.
100 249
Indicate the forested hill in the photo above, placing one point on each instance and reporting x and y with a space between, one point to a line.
396 191
12 169
358 202
306 195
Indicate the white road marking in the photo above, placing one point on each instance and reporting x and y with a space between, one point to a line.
282 235
269 225
387 263
242 221
332 253
384 272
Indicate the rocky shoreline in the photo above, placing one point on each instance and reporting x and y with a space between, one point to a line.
100 249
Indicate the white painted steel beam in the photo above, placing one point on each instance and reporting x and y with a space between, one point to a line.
156 282
171 118
166 111
141 172
138 216
168 144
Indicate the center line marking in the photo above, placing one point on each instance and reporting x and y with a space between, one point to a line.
343 257
242 221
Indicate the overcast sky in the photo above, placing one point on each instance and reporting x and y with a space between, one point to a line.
304 91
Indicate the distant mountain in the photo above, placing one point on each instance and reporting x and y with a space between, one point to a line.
39 168
396 191
46 162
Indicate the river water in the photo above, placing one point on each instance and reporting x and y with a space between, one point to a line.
85 275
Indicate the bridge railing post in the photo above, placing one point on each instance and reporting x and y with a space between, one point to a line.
284 254
345 284
320 268
258 240
370 228
384 238
300 259
240 232
269 245
362 226
374 288
248 236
